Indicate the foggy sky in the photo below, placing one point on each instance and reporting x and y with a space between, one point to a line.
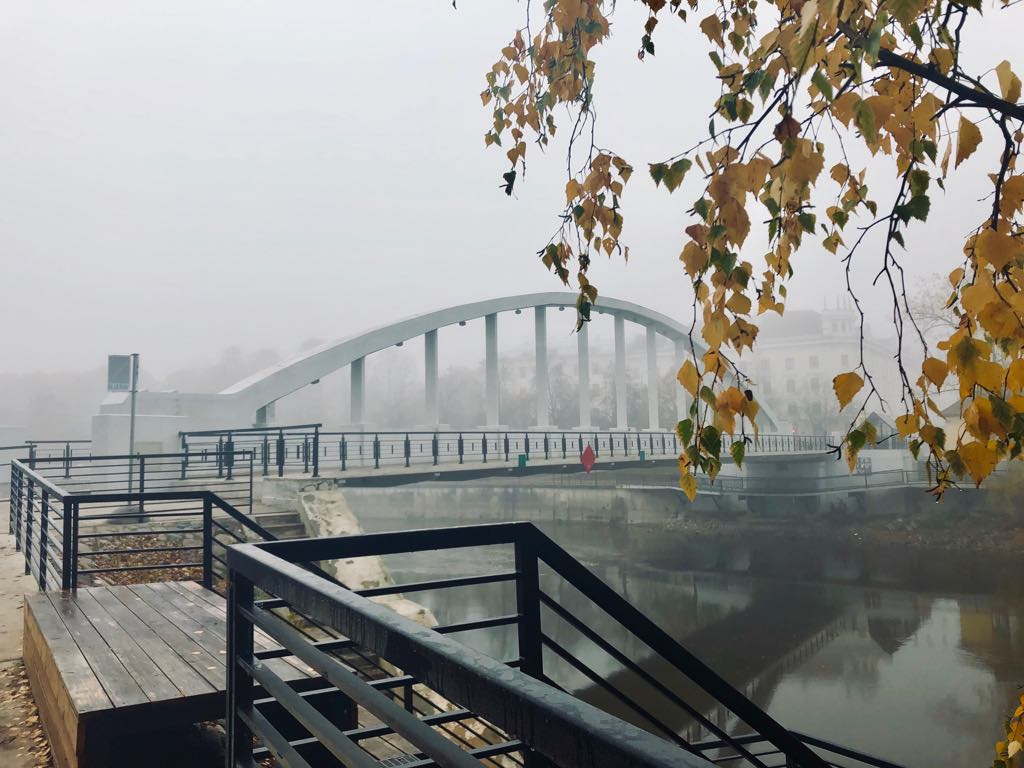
179 177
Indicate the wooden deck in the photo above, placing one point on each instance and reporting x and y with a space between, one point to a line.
114 659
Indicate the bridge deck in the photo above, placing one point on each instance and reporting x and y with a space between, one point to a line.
106 660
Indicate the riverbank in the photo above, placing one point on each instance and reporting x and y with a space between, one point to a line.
943 527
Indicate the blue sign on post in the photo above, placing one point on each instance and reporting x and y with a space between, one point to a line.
119 373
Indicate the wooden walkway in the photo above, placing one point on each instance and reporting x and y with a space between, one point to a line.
124 658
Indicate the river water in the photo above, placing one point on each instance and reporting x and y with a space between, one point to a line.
909 655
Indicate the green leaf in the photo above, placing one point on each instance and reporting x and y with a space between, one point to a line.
685 431
919 182
658 172
806 221
702 207
707 396
738 450
856 439
711 441
820 80
915 208
675 173
510 180
864 116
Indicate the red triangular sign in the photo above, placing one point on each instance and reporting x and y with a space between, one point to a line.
587 459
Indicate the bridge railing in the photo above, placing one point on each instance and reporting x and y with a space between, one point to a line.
569 633
31 449
308 449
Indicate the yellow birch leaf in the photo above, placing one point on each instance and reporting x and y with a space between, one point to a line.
967 140
1009 83
712 27
956 276
846 385
1012 196
714 330
689 485
935 370
996 248
688 377
1015 376
907 424
978 459
739 303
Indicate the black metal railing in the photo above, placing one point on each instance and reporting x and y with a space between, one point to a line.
544 625
32 449
90 527
308 449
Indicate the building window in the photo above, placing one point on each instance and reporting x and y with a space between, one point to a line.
789 363
813 362
790 386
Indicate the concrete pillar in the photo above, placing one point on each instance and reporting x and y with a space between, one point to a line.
621 418
682 405
265 415
652 378
491 369
357 402
430 393
540 331
583 366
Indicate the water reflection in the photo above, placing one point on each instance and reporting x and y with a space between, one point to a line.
914 656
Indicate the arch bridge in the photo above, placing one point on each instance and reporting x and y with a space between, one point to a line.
251 401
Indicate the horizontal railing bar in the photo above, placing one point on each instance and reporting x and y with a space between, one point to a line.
278 745
89 553
323 645
115 534
466 626
491 750
404 723
422 586
123 568
346 750
846 751
247 430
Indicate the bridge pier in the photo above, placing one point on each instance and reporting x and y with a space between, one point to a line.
652 378
583 365
491 387
430 389
540 331
620 374
357 400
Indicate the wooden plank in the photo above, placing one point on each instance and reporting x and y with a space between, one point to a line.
116 680
185 678
77 677
209 666
56 711
153 682
261 640
213 622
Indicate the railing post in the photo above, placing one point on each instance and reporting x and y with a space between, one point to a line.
625 444
528 607
208 542
316 451
506 446
184 456
547 446
564 452
74 545
220 457
67 541
252 459
343 453
27 542
67 460
526 445
579 440
376 451
280 453
142 482
239 681
434 448
229 455
461 446
305 454
31 455
407 449
483 447
597 446
265 455
44 524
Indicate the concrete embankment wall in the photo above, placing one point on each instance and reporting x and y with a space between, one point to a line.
622 506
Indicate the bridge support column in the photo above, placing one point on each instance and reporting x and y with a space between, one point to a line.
356 396
681 405
265 415
652 378
540 332
430 393
621 419
583 365
491 369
